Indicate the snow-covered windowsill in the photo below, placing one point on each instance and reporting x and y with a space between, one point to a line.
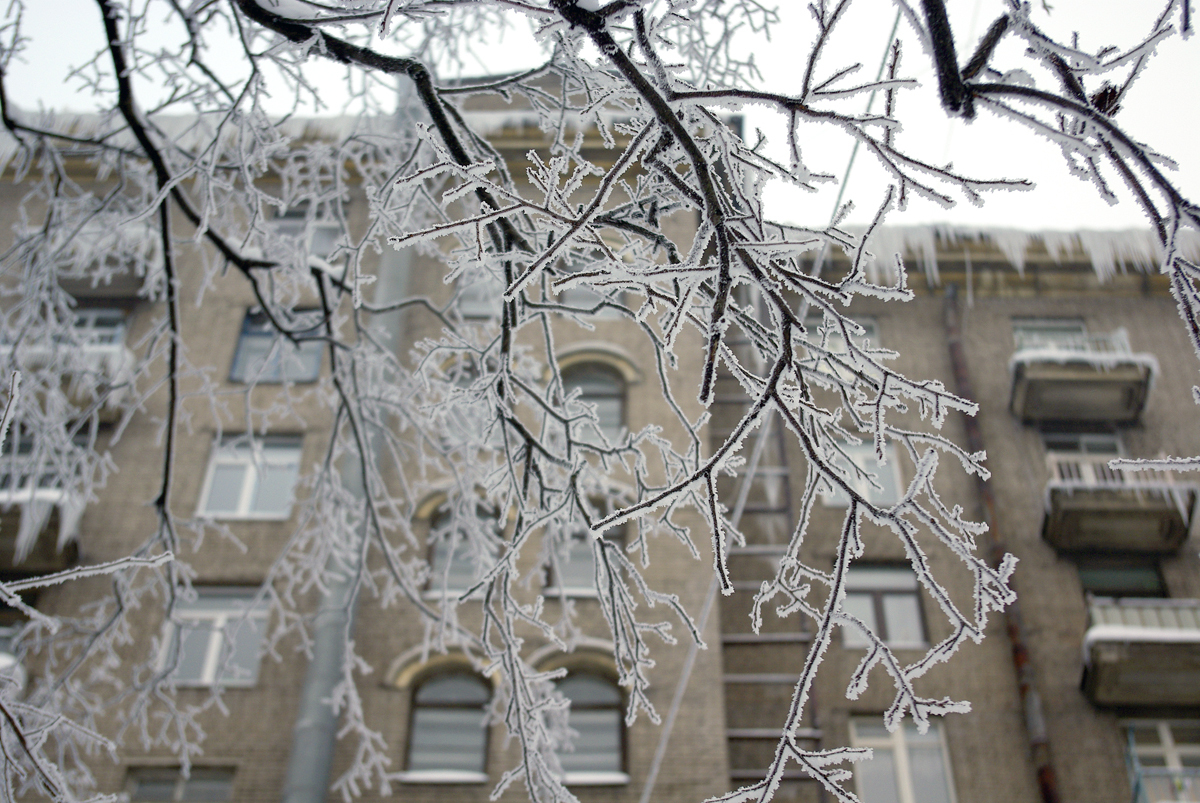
596 778
443 776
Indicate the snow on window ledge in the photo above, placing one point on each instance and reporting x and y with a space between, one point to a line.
443 776
596 778
552 593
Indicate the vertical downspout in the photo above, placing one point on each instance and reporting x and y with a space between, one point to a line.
1031 701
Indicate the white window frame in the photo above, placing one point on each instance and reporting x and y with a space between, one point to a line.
435 587
481 297
1169 751
617 777
282 361
444 775
1053 331
92 327
877 583
863 456
273 451
224 610
896 744
295 224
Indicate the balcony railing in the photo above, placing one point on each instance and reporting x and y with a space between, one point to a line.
89 369
1143 652
1113 343
1163 784
1092 506
1079 377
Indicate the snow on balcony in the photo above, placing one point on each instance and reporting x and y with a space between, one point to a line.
1079 377
1092 506
92 371
1142 651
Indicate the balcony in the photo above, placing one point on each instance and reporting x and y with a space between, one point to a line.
93 372
1090 507
1142 652
1163 784
1079 377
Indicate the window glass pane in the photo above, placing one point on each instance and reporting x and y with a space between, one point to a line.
274 492
863 456
154 789
598 743
881 578
902 613
1186 734
576 564
861 606
1121 581
603 387
208 785
324 239
240 656
447 739
458 689
589 690
876 778
194 643
481 296
872 730
225 489
1047 332
929 783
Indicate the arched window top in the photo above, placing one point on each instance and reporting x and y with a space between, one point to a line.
603 387
459 688
448 733
589 690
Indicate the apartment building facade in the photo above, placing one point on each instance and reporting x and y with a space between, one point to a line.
1101 703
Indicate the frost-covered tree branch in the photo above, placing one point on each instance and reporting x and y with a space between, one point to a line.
475 440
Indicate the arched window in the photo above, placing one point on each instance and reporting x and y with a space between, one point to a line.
598 756
603 387
447 737
572 568
455 563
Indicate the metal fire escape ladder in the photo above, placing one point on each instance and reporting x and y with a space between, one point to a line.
760 669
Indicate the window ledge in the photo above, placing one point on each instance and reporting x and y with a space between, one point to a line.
596 778
443 776
244 516
570 592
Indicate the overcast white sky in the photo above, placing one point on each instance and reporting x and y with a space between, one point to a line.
1163 111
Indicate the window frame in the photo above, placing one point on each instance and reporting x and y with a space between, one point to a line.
179 794
235 450
620 776
620 391
1068 327
551 585
434 587
447 776
1118 562
896 744
88 331
295 224
1167 749
227 606
858 454
877 591
276 360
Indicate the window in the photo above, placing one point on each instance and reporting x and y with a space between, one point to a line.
602 387
1098 443
1049 333
573 572
100 326
597 756
885 599
163 784
1166 758
263 355
908 767
220 635
251 480
447 737
1121 577
455 561
480 296
316 237
879 485
582 296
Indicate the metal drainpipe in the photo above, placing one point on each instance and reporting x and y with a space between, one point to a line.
1031 701
315 733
